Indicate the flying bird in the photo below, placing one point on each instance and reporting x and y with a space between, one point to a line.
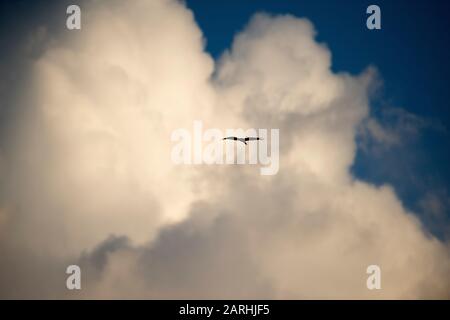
244 140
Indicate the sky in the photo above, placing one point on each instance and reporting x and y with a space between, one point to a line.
86 177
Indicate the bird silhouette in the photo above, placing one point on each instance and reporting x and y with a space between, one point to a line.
243 140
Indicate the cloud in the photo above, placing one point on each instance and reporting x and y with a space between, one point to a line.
434 207
394 127
90 178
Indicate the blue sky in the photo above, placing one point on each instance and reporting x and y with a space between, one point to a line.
410 53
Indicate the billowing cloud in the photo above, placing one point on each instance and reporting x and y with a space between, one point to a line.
90 179
395 127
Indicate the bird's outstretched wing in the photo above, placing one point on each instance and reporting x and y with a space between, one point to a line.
235 139
252 138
